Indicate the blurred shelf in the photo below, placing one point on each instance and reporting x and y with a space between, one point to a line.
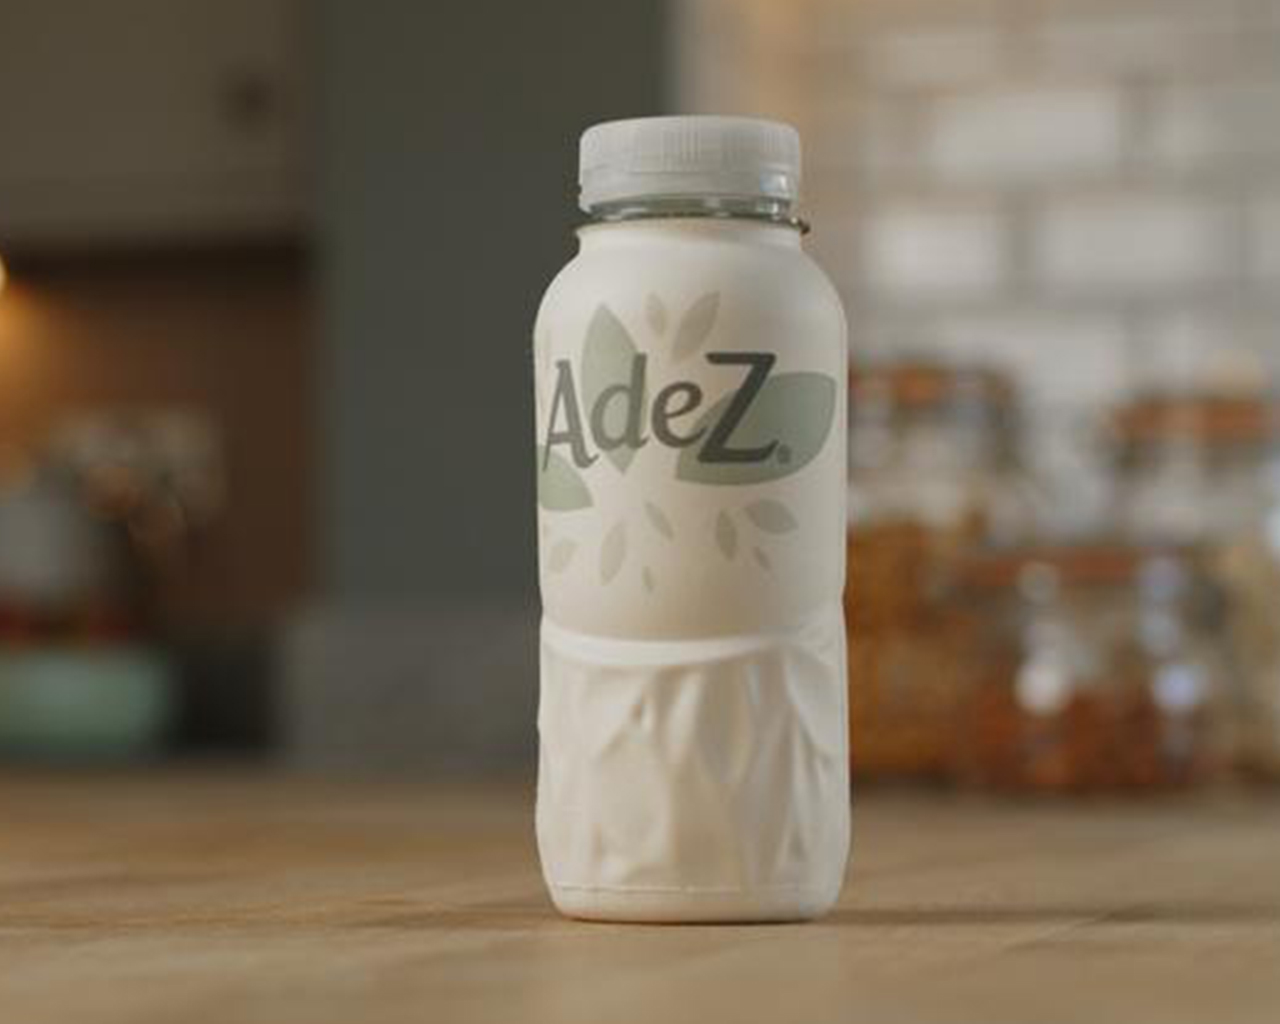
282 259
215 897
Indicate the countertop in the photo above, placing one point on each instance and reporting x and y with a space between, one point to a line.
214 897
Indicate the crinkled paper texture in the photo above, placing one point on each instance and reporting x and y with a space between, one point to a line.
716 766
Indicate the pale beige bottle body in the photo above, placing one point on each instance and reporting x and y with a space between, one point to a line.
690 376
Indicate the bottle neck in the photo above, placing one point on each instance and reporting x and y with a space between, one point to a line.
745 208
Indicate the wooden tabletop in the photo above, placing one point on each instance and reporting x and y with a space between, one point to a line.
195 898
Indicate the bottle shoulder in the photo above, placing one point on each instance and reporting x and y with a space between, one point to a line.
771 279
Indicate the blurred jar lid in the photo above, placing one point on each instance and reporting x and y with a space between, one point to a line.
919 385
1209 418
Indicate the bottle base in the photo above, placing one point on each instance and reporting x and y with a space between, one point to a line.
695 781
657 906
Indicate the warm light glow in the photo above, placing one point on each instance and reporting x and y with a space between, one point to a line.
2 275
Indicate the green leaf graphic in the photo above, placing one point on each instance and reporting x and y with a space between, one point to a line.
613 552
794 409
607 355
659 520
695 326
656 313
771 516
726 536
560 486
561 555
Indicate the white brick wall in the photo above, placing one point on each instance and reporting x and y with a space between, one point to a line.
1201 126
1178 345
857 132
922 251
932 58
1129 243
1009 135
1264 249
1085 191
1134 37
856 19
1061 361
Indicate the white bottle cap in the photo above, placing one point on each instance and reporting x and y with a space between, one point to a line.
723 157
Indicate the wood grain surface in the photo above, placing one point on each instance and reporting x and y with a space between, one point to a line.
215 897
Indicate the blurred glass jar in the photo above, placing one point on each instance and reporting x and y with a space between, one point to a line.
1101 669
76 681
933 472
1194 468
1205 469
54 553
935 445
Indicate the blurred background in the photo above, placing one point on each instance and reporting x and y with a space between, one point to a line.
270 270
